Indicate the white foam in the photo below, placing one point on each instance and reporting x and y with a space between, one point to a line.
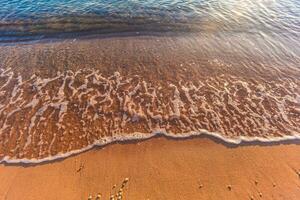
143 136
232 109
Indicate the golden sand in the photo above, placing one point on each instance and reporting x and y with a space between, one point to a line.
161 168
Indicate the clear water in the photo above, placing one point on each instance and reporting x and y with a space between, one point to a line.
21 19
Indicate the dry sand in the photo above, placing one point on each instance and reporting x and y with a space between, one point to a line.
161 168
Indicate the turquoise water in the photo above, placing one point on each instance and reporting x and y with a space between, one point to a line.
28 19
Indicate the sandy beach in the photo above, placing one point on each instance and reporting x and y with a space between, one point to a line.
161 168
149 100
69 95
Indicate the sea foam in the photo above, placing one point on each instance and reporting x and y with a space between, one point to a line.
47 118
144 136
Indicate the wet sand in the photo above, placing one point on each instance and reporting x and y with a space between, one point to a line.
69 95
161 168
72 94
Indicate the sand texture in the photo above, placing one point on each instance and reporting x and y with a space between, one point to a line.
162 169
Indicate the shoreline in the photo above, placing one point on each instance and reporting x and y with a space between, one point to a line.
141 137
157 168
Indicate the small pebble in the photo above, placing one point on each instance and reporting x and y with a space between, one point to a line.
251 198
200 186
274 185
256 182
260 194
98 196
229 187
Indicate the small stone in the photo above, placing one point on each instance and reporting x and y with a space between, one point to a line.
90 197
200 186
260 194
274 184
251 198
256 182
229 187
98 196
114 186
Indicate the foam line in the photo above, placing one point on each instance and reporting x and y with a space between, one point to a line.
143 136
73 111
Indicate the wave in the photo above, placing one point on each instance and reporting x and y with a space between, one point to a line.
73 111
23 20
75 26
144 136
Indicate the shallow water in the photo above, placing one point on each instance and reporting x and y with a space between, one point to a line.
264 28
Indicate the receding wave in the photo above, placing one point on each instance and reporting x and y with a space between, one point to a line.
75 110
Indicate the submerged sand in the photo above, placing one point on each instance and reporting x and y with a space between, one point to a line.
63 96
162 169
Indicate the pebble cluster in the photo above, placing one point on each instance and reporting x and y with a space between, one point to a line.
115 194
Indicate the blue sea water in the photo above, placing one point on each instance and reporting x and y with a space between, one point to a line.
21 19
